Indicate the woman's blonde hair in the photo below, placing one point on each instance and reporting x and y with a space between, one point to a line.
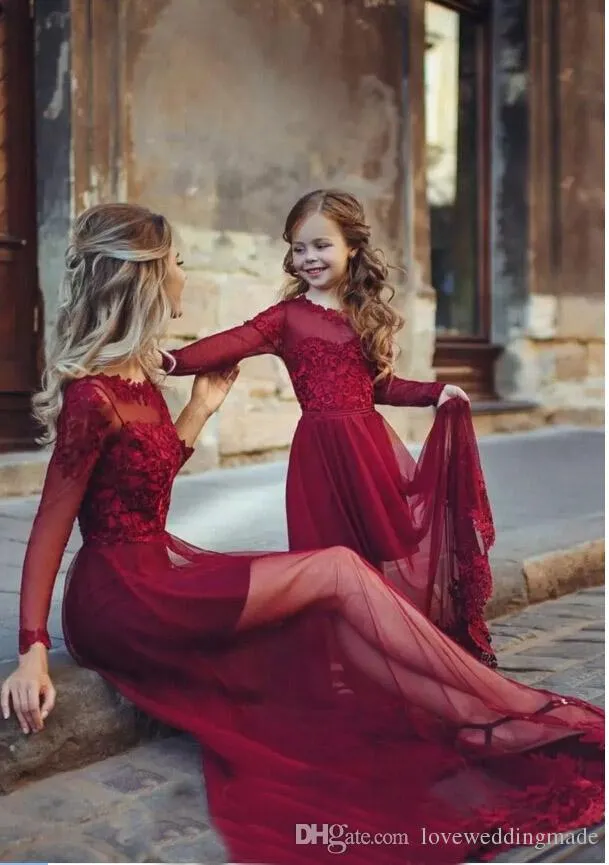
365 293
113 308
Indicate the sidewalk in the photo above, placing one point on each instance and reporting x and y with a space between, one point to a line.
546 489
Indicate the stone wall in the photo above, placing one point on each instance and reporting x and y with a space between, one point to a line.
230 277
53 145
557 357
559 362
222 114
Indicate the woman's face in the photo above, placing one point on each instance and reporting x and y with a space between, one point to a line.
175 282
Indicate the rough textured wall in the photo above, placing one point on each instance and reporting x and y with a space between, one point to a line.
557 358
235 108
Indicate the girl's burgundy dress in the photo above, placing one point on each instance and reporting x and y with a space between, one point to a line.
352 482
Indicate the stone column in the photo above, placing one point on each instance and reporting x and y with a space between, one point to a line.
53 148
417 341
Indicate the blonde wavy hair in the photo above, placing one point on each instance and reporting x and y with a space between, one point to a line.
365 294
113 306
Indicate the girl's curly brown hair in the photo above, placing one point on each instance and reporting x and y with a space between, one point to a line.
365 294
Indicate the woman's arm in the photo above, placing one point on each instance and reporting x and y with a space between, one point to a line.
86 418
208 394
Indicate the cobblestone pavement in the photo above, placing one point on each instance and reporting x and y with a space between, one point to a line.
148 805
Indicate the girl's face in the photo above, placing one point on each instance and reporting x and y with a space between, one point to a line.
319 252
174 283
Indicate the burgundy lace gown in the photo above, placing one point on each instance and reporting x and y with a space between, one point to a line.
318 693
351 481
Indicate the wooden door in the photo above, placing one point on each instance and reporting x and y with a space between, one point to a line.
19 310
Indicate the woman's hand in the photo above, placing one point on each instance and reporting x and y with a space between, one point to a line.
451 391
30 690
210 391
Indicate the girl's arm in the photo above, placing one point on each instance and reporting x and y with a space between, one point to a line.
401 392
261 335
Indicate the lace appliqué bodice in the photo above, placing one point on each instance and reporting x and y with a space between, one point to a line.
330 377
127 497
327 364
115 459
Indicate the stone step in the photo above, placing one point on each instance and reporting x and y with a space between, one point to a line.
505 416
22 472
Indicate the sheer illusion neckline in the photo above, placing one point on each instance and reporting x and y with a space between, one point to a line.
328 311
127 387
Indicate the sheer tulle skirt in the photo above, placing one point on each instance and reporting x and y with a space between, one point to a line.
426 524
321 695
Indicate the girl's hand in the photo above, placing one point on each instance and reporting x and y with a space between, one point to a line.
451 391
30 690
209 391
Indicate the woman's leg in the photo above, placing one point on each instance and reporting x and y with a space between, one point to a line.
393 643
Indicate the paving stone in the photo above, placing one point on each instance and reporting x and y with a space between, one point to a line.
126 778
61 799
592 694
59 848
567 682
533 678
597 680
596 637
593 633
179 753
563 611
597 663
128 831
22 829
576 650
530 663
179 807
501 643
516 631
207 848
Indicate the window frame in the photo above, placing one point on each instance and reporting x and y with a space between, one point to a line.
479 12
468 360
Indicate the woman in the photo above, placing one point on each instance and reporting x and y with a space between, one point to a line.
318 693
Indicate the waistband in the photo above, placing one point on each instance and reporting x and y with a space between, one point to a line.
325 414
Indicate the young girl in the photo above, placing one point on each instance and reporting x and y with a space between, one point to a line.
351 481
319 694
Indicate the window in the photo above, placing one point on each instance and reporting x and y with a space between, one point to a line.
453 166
457 158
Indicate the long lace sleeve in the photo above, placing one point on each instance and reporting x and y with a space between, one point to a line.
260 335
401 392
85 420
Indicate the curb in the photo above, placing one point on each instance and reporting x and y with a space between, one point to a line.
544 577
92 722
